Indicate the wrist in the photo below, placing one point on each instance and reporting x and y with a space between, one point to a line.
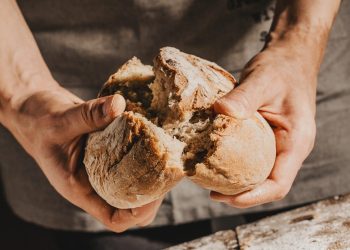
300 43
301 29
19 87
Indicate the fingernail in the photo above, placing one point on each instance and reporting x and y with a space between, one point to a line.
113 106
134 212
107 106
230 108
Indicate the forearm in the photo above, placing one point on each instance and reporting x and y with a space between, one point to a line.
304 26
22 68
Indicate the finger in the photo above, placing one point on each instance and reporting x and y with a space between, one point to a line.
126 218
152 216
80 192
94 205
242 102
117 220
292 147
93 115
274 188
148 220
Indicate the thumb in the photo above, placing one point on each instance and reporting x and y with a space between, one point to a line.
94 115
241 102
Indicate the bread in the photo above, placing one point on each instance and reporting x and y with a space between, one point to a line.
169 131
133 161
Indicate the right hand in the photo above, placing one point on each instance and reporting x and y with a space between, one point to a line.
281 85
51 125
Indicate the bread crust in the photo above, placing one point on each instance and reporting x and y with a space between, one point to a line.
188 83
133 72
132 162
242 155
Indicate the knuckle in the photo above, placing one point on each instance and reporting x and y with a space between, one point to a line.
87 114
279 196
53 124
281 192
305 133
310 131
71 180
73 183
241 98
78 183
255 62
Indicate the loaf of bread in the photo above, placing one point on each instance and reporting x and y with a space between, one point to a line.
170 131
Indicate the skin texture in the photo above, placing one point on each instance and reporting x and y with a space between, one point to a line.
280 82
50 122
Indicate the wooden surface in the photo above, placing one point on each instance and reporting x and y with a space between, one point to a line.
219 241
323 225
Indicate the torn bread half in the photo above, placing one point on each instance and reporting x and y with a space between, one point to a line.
132 161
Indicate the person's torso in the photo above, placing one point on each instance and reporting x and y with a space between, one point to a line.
84 41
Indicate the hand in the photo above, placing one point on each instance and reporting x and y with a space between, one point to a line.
278 84
50 125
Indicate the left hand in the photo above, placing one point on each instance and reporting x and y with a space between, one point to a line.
51 126
278 84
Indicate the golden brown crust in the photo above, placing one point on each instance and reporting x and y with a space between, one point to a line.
132 162
131 73
131 81
187 83
242 155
